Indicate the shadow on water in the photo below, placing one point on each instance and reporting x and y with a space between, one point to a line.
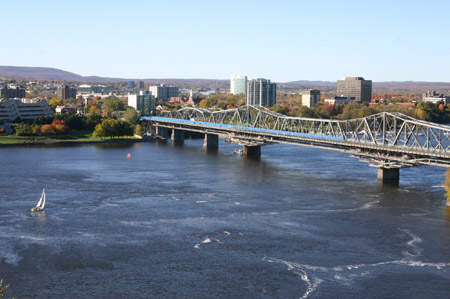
161 142
112 146
251 158
388 185
447 211
213 152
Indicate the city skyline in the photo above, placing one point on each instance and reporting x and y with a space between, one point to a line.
297 40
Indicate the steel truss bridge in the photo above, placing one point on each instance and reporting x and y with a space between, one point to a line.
387 140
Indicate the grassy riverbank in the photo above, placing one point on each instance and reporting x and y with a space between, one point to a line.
75 136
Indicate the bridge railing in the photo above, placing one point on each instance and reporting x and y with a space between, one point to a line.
394 130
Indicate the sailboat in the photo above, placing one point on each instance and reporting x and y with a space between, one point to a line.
41 203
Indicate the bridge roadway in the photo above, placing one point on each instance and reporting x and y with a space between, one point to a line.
388 159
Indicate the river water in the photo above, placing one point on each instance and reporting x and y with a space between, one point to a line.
180 222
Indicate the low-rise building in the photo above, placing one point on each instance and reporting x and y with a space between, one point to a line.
339 100
434 97
310 97
65 110
25 109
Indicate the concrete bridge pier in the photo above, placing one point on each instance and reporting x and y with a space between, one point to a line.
162 132
390 175
211 141
252 151
177 136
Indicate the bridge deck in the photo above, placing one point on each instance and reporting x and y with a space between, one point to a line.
269 136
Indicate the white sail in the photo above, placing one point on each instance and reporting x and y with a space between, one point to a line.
41 199
41 203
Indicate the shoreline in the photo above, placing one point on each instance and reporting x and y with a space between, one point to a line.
74 142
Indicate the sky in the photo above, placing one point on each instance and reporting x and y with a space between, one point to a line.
382 40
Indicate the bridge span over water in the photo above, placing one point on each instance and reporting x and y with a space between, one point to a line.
388 140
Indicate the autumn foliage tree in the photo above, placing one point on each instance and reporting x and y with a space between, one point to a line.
138 130
3 288
60 126
446 185
94 110
47 130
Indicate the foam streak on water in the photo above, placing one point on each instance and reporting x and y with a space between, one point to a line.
348 274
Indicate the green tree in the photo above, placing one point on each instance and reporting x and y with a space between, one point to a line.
138 130
114 104
99 131
282 109
36 129
23 129
75 122
421 114
54 102
42 120
131 116
92 120
124 129
113 128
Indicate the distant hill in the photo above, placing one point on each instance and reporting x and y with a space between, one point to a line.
379 87
52 74
312 83
411 86
37 73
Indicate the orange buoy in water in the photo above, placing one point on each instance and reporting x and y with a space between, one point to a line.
128 156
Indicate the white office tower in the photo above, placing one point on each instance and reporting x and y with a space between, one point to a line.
238 84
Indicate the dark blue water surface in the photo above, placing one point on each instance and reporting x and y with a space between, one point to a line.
180 222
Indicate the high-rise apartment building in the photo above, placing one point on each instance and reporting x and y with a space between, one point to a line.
12 91
131 84
261 92
355 87
163 92
310 97
67 92
238 84
141 85
143 102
